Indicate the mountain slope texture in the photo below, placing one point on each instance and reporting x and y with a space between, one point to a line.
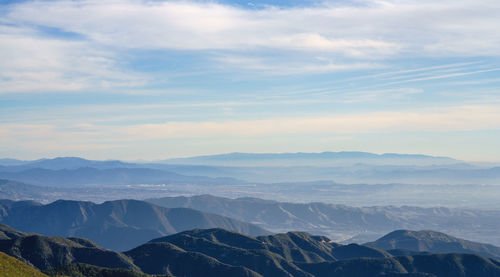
118 225
339 221
218 252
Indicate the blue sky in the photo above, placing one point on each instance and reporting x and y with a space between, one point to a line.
158 79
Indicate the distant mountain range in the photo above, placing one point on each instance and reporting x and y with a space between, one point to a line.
63 163
336 221
118 225
112 176
237 168
311 159
11 162
218 252
248 159
164 174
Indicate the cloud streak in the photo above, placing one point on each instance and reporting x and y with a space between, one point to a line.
309 40
373 30
193 26
466 118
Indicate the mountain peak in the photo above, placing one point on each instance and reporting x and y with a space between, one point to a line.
435 242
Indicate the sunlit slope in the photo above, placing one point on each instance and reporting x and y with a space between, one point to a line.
12 267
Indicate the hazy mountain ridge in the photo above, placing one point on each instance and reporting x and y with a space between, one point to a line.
323 158
110 176
20 191
365 168
350 174
120 224
76 162
483 197
334 220
63 163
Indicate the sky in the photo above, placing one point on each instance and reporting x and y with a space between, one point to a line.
132 79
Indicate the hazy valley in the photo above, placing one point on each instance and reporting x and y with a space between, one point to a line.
344 212
74 209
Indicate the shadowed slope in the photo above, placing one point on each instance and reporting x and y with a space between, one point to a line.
300 247
86 270
435 265
221 253
118 225
49 252
224 247
352 251
166 258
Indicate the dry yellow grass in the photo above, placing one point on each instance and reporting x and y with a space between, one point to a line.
12 267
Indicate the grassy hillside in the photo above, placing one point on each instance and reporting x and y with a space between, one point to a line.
12 267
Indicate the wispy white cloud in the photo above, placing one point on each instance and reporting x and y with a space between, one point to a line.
35 64
373 28
196 26
348 37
